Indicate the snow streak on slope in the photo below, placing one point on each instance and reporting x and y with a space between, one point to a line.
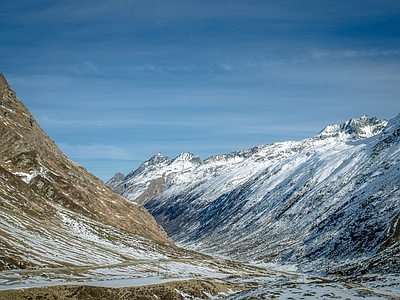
77 241
330 199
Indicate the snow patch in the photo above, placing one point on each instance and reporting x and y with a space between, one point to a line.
27 178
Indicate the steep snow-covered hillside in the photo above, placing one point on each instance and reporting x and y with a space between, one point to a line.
328 201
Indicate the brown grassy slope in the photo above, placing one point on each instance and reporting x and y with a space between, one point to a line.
25 147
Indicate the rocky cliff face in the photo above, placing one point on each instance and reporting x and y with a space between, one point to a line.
47 198
330 202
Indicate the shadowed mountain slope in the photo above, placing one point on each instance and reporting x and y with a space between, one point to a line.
330 202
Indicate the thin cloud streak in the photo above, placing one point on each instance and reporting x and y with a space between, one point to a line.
96 151
349 53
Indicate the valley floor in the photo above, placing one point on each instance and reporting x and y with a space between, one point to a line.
189 279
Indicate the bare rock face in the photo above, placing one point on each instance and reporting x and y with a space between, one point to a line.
37 181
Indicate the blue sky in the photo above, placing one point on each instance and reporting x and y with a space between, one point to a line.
115 82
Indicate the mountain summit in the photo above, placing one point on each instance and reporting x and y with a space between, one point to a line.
360 128
330 202
52 209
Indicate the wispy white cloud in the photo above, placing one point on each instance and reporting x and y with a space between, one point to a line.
91 67
96 151
352 53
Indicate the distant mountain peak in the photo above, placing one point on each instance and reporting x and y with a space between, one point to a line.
117 178
159 158
156 161
358 128
187 157
363 127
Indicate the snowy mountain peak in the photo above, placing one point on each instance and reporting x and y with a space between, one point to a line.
158 159
156 162
358 128
363 127
187 157
393 124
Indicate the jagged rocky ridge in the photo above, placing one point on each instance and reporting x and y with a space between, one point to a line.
331 202
55 213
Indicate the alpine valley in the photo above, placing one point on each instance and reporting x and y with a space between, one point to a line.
65 235
329 204
314 219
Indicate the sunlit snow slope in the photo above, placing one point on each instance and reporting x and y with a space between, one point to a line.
331 202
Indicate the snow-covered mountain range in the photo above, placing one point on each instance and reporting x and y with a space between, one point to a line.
330 202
